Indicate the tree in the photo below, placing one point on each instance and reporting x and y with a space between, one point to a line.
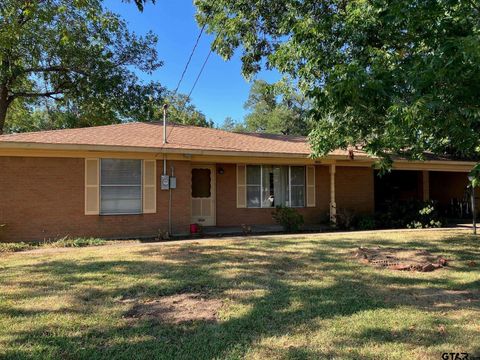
229 124
182 111
48 115
274 113
141 3
78 55
395 76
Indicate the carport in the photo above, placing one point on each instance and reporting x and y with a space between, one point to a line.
447 188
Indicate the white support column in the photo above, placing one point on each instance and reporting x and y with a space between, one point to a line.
426 185
333 204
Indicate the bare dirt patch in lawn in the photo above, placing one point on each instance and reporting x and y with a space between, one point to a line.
400 258
176 309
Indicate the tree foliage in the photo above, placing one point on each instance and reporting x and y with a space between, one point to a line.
276 113
79 56
395 76
50 115
140 3
182 111
229 124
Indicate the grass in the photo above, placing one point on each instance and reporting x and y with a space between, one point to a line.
284 297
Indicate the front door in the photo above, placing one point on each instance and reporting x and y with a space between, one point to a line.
203 195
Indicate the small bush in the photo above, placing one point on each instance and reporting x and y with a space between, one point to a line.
411 214
13 247
366 222
345 219
63 242
162 235
289 218
246 230
324 219
76 242
427 218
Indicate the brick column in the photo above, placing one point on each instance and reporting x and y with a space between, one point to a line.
426 185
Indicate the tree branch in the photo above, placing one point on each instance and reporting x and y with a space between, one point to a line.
57 68
23 18
49 94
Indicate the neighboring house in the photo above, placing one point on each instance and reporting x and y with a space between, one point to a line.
107 181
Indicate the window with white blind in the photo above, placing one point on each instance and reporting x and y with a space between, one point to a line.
270 186
120 186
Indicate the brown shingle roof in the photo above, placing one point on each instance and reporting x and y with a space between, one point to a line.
179 137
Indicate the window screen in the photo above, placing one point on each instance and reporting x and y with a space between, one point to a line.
201 183
120 186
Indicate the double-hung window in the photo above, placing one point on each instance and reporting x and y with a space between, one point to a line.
270 186
120 186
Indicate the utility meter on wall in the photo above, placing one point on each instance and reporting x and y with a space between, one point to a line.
173 182
165 182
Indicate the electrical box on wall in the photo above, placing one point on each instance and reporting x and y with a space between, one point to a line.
165 182
173 182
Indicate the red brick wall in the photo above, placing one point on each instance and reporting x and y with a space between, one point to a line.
354 191
43 198
445 186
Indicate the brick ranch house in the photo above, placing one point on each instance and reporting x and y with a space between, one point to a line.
106 181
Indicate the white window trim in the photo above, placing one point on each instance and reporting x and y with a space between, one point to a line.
289 187
101 213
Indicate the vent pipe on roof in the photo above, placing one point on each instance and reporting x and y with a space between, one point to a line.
165 107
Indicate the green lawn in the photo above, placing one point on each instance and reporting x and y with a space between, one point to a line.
284 297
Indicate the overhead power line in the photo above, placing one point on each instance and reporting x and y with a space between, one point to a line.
199 73
203 66
189 58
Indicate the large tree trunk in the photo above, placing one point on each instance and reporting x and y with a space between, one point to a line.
4 102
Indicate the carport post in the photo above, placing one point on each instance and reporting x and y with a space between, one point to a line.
333 204
426 185
474 212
